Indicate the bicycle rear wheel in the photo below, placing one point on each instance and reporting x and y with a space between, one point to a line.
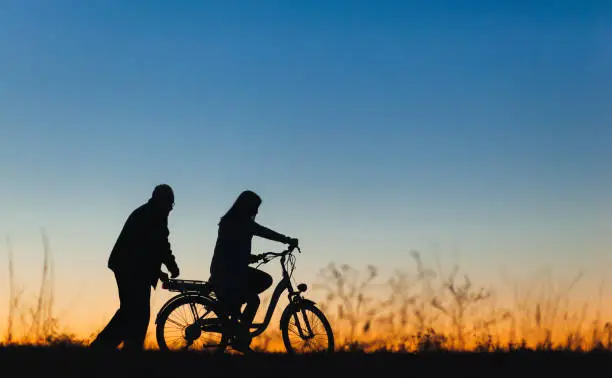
191 323
306 330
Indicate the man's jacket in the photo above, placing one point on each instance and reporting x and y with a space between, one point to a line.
143 246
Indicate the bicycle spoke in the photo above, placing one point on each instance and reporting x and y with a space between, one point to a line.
175 322
194 311
183 330
306 333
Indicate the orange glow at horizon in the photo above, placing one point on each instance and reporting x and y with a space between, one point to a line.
580 324
535 310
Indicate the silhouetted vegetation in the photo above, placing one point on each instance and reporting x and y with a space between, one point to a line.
418 310
424 310
33 322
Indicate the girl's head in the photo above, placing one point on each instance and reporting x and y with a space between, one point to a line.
245 207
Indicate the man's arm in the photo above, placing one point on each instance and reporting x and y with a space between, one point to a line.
168 258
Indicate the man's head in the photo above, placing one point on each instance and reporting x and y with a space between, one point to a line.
163 197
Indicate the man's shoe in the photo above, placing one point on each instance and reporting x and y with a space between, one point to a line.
99 345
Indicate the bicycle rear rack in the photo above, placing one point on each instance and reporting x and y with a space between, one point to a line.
187 285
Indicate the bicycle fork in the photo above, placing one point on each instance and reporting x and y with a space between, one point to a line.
299 327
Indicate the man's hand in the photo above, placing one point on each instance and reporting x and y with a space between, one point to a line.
254 258
174 271
173 268
163 277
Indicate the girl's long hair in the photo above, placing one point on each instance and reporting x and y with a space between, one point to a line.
244 207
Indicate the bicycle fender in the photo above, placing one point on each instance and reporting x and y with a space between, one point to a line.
308 301
176 298
291 306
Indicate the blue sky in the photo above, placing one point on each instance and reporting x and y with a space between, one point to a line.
480 131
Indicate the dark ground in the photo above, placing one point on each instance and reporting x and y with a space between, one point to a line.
79 362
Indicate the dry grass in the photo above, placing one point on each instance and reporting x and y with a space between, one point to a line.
33 322
415 310
425 310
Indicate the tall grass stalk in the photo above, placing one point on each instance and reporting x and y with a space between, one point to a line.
37 322
12 293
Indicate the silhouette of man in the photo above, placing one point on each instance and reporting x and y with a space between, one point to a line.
136 259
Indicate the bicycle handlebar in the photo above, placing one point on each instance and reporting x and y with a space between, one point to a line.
264 256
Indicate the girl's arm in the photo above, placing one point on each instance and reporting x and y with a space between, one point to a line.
265 232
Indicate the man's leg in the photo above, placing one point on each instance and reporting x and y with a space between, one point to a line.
137 309
112 335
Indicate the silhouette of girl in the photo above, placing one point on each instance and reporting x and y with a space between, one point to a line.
234 281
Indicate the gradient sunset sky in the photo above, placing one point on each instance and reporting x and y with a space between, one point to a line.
480 131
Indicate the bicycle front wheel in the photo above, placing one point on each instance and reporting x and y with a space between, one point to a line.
191 323
306 330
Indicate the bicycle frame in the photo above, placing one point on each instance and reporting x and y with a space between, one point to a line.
256 328
283 284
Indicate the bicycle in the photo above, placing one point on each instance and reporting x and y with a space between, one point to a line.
218 330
